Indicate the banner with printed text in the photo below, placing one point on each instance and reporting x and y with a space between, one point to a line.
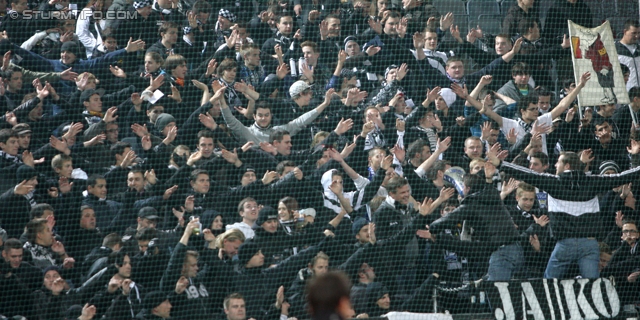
551 299
593 50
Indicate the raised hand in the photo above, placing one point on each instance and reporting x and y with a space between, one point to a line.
511 186
542 221
329 95
517 45
398 152
584 79
175 94
342 57
402 71
247 146
401 29
486 80
27 158
64 185
156 83
282 71
512 136
432 95
418 40
208 121
114 284
231 157
219 94
269 177
371 50
269 148
117 72
455 33
133 46
324 29
128 159
446 21
88 312
446 194
635 147
150 177
181 285
10 117
400 125
343 126
59 145
426 207
171 136
146 143
189 203
443 145
110 116
167 193
211 67
540 128
200 85
307 72
297 173
587 156
194 157
535 243
387 162
375 25
367 128
96 140
23 188
460 91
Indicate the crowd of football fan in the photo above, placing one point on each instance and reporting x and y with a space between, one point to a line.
187 161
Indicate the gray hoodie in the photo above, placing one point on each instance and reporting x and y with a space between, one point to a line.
257 134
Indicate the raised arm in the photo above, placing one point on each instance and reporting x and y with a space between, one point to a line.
484 81
297 124
335 155
239 130
462 93
507 57
544 181
568 100
442 147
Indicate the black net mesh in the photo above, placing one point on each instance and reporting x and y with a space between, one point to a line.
319 159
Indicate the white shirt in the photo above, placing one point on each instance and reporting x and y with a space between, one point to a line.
246 229
508 124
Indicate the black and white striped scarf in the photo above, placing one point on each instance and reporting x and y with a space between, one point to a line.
9 157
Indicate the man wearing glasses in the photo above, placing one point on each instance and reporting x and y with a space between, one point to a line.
624 264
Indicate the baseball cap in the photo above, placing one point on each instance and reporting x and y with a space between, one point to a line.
148 213
86 95
297 88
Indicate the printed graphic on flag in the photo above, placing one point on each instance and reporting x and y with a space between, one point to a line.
593 50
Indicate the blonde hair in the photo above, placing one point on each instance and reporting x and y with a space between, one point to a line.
319 137
476 162
229 235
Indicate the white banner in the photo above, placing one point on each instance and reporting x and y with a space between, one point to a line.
593 50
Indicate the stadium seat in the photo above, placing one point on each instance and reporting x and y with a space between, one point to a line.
477 7
505 5
489 23
455 6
